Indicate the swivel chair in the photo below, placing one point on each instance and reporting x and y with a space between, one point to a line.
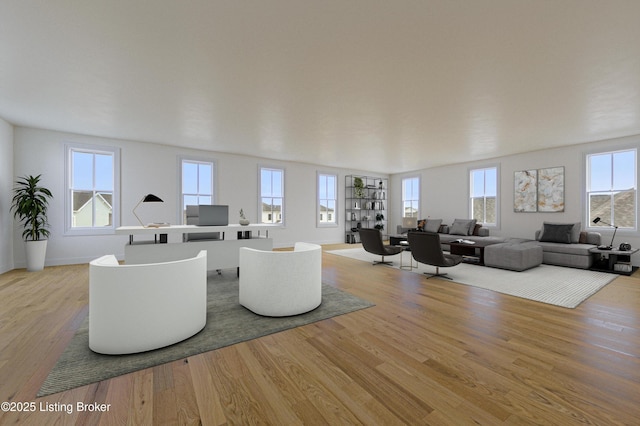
372 242
426 248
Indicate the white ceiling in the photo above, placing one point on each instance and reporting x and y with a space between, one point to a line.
378 85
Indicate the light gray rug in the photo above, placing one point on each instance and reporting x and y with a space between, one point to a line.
555 285
227 323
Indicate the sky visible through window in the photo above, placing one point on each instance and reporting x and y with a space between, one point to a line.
623 176
83 171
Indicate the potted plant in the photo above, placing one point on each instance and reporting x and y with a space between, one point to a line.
29 205
358 187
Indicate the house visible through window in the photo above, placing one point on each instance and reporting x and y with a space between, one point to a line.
611 188
483 191
91 200
271 195
327 198
410 197
197 183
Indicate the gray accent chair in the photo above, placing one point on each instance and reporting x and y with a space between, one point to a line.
372 242
426 248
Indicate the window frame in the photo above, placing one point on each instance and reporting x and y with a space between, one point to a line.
69 229
484 196
181 194
334 223
418 179
283 210
587 188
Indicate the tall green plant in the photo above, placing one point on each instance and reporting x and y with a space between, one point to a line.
29 205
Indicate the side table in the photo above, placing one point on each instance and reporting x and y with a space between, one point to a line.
613 261
406 250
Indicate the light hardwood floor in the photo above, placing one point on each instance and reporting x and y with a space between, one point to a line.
429 352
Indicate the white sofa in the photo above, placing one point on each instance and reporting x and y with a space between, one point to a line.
137 308
281 283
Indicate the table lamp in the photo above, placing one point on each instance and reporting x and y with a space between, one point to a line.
610 246
149 198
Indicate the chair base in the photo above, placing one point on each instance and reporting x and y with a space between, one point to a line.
438 274
382 262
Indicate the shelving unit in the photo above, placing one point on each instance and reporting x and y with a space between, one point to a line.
365 205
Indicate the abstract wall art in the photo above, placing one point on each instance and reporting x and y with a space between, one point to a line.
540 190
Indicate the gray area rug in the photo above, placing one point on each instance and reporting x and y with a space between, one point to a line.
227 323
554 285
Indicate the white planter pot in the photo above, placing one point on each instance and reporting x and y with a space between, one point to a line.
36 251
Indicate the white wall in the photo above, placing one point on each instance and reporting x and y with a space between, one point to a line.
150 168
445 191
6 185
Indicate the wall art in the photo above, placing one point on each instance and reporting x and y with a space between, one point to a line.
551 189
525 195
540 190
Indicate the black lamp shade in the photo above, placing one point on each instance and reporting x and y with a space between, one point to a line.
150 198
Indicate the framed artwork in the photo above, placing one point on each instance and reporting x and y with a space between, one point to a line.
551 189
540 190
525 195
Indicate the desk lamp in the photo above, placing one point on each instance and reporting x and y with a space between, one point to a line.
610 246
149 198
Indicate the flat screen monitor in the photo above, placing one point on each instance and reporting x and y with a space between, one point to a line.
208 215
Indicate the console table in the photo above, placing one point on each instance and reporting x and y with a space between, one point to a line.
221 254
606 261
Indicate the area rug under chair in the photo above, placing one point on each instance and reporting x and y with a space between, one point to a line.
228 323
555 285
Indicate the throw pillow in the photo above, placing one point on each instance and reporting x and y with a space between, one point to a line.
556 233
461 227
421 224
432 225
575 231
476 228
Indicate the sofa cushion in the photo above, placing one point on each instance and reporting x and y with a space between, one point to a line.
556 233
569 249
462 227
575 229
432 225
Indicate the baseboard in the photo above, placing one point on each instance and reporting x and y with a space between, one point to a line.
67 261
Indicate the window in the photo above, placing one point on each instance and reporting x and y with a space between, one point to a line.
197 184
483 194
91 199
611 188
271 195
410 197
327 197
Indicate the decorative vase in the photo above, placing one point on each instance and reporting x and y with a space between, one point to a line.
36 252
243 222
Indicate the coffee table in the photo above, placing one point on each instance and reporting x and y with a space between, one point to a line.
473 253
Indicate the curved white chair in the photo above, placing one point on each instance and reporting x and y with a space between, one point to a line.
281 283
137 308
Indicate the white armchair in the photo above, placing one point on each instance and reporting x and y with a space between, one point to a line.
136 308
281 283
